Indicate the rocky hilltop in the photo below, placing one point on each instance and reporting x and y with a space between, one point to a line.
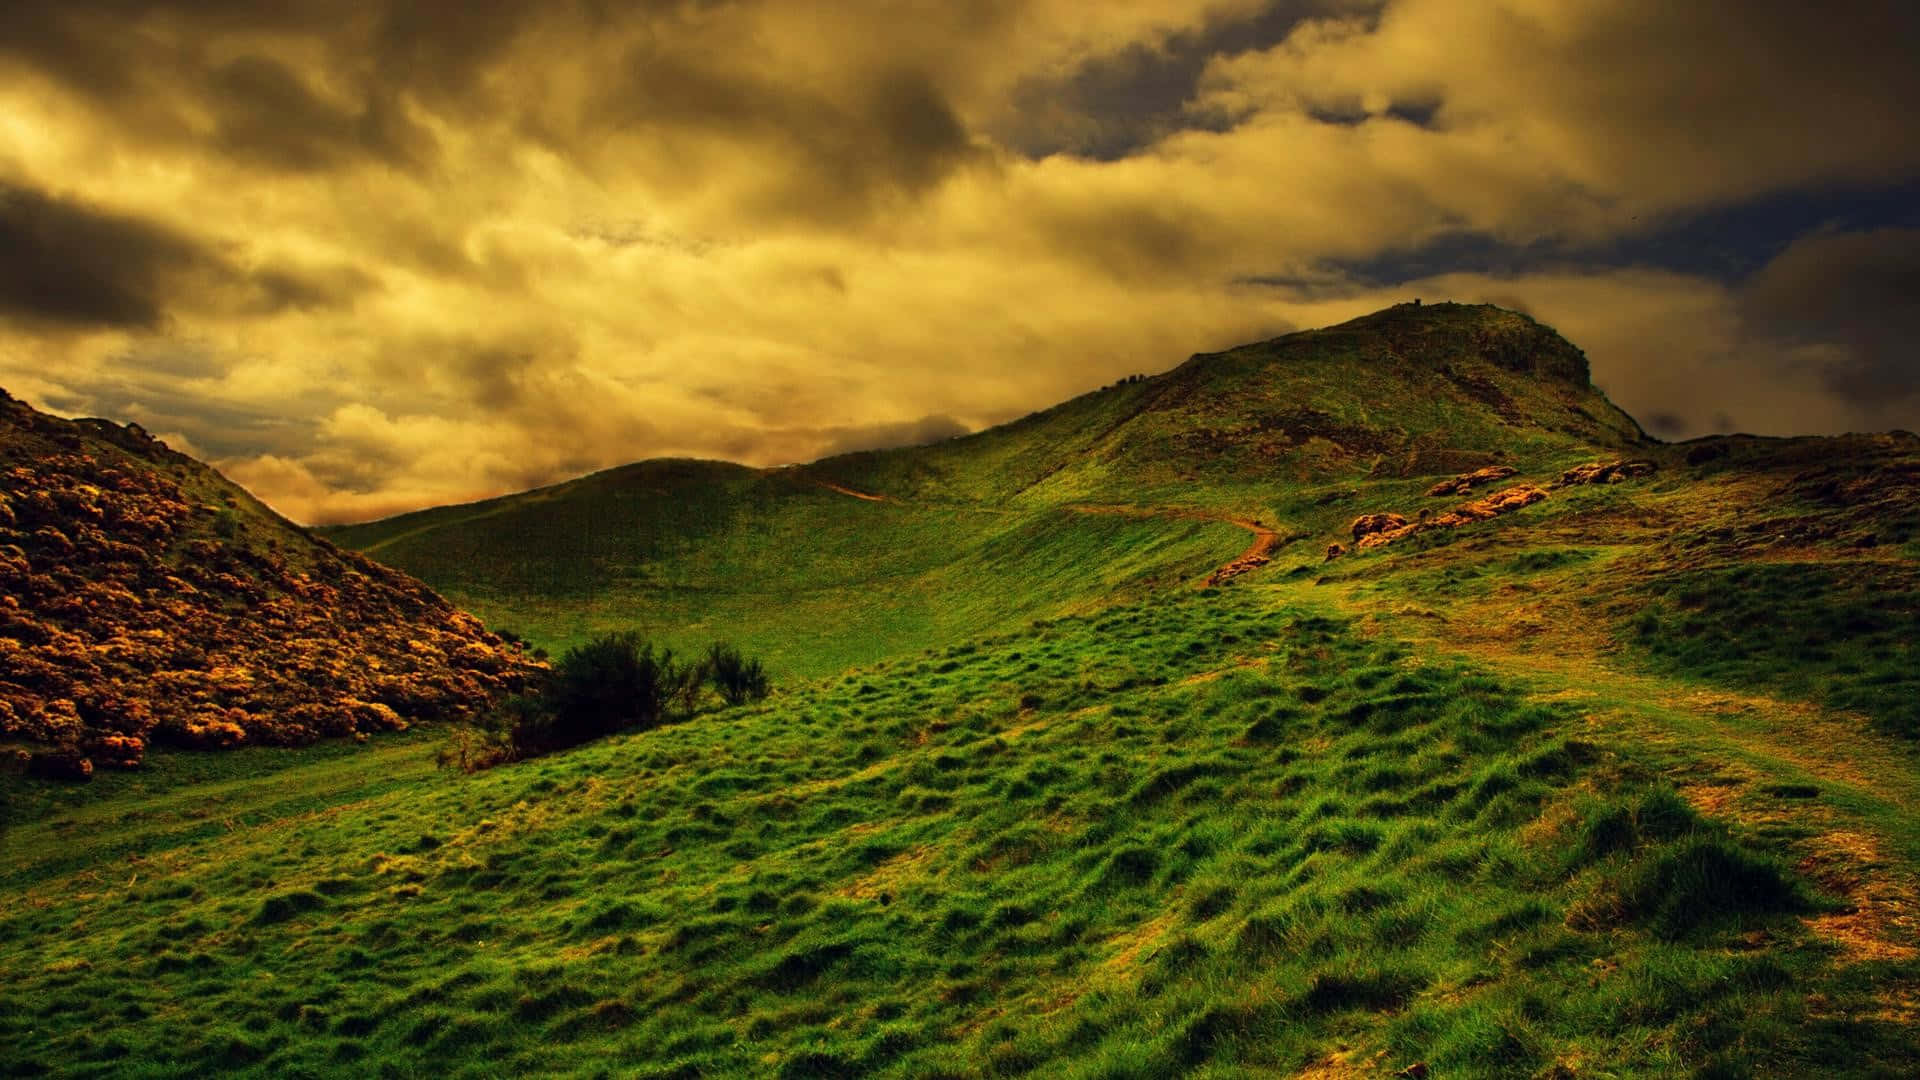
144 598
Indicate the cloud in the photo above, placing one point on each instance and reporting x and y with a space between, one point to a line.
65 263
376 255
927 429
1854 296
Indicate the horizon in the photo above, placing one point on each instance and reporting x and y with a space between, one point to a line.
373 260
562 481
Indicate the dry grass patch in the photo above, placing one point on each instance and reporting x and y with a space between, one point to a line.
887 878
1883 923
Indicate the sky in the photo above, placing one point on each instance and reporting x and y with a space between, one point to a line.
368 257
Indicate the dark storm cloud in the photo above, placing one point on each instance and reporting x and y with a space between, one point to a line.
166 64
268 114
1117 103
829 152
65 264
1858 291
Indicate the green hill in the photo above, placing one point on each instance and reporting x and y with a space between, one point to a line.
1583 755
983 532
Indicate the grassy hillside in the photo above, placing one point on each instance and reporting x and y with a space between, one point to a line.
1211 836
980 533
809 577
1600 760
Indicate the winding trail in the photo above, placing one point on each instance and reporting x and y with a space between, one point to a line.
867 496
1265 541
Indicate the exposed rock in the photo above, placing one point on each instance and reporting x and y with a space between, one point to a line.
1606 472
1466 482
1500 502
1370 524
1334 551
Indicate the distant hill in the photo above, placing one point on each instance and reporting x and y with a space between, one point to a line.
1412 390
146 598
978 533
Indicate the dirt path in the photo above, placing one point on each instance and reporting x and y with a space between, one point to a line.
866 496
1265 541
1728 752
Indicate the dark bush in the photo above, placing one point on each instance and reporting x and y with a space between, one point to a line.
613 683
738 679
616 682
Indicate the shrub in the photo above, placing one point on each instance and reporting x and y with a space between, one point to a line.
738 679
612 683
616 682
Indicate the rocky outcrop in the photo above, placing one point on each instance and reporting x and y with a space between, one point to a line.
1606 472
1500 502
1465 482
133 609
1373 524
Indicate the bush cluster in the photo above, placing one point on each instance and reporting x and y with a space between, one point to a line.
616 682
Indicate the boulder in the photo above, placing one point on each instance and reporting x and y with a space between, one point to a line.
1466 482
1500 502
1368 524
1607 472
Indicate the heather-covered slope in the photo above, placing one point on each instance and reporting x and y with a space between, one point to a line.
144 598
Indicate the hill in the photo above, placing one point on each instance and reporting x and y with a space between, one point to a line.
147 599
1113 495
1582 755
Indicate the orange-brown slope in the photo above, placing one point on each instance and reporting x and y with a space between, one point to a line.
144 598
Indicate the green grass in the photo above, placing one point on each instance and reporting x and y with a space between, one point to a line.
1302 433
812 580
1844 637
1205 836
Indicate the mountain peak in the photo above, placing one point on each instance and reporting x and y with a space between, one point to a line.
1446 331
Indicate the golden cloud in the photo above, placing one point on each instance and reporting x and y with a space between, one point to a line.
371 257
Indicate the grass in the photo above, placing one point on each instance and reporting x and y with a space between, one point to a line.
813 580
1579 791
1824 633
977 535
1210 835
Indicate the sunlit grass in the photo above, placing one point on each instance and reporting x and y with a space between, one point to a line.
1201 836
